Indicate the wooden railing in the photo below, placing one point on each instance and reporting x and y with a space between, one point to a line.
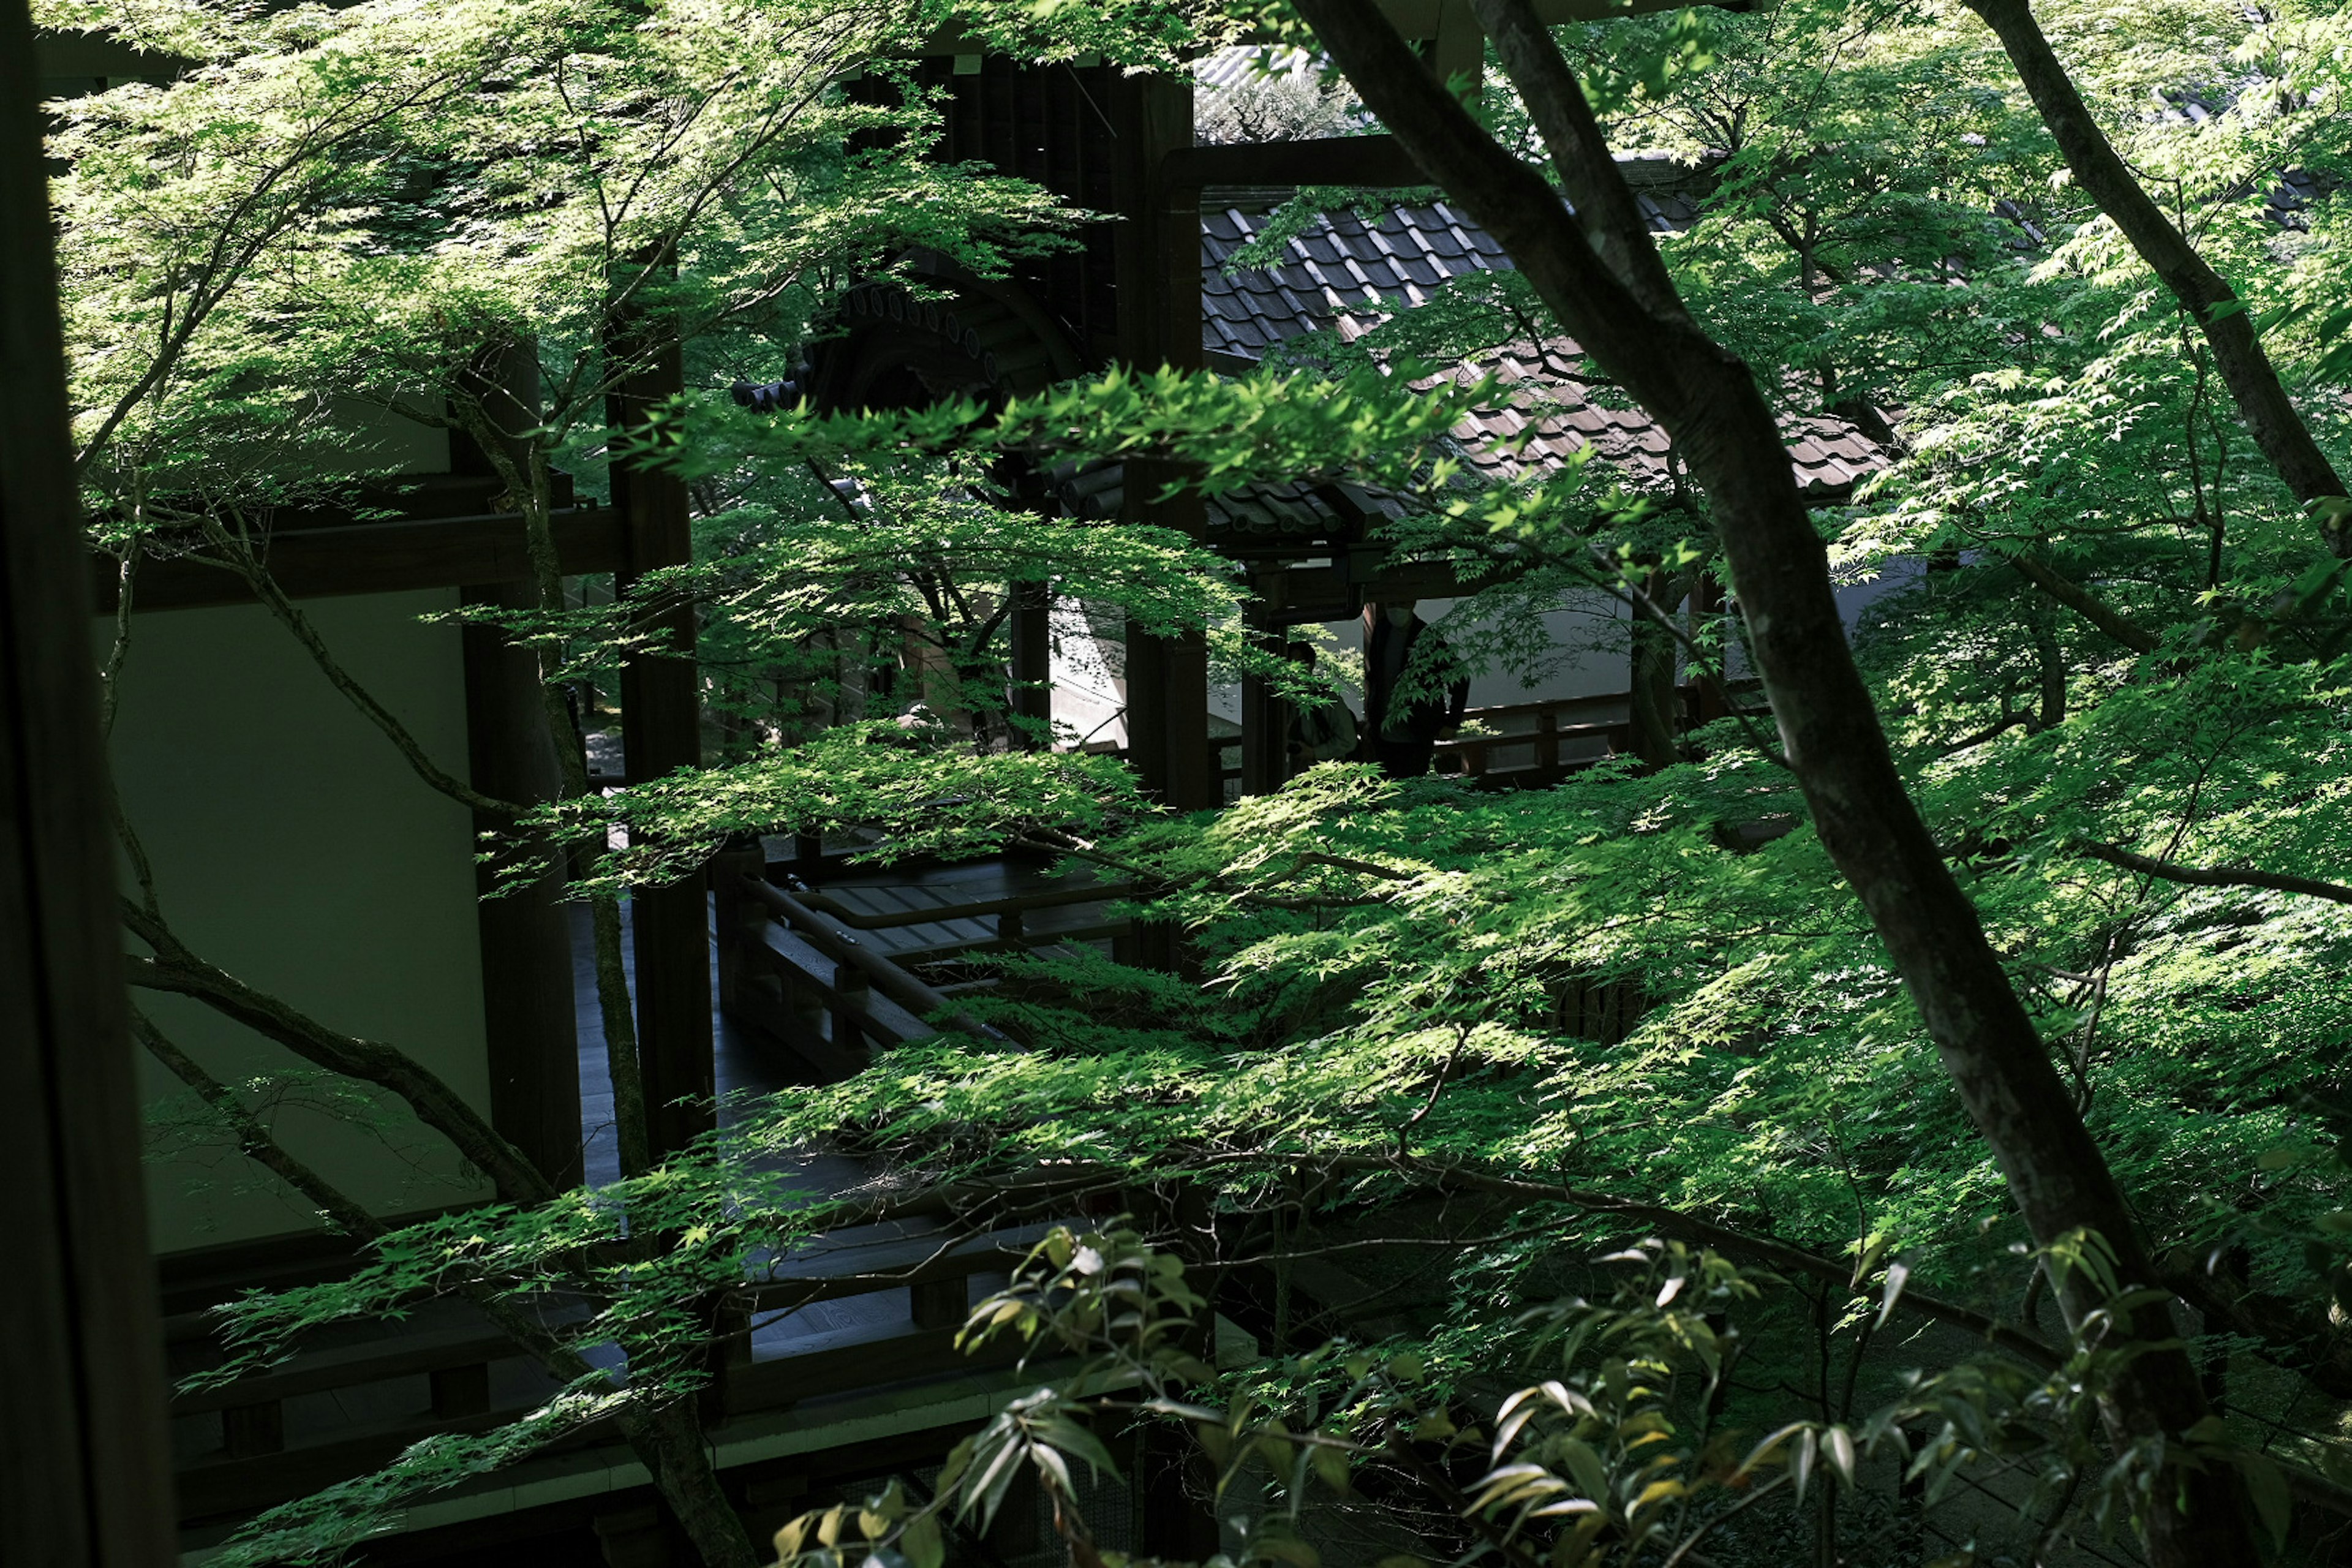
786 994
838 975
263 1458
1557 742
1006 913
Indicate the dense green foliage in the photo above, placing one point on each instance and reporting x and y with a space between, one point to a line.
2102 630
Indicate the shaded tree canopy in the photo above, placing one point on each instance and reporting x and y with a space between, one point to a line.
2000 961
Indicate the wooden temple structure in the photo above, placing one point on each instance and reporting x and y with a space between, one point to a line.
878 1390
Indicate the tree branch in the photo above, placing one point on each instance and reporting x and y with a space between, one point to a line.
176 970
2269 415
1773 1253
242 560
665 1438
2217 876
2076 597
253 1140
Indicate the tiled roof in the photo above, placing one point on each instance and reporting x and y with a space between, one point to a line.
1244 61
1346 275
2283 203
2287 202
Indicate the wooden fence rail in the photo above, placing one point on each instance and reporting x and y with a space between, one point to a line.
264 1457
1559 742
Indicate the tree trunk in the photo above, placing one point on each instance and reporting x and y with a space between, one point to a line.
670 1441
2269 415
1709 404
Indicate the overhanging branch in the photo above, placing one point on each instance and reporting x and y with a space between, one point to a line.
2216 876
2072 595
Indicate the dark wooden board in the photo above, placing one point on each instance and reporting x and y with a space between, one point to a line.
375 558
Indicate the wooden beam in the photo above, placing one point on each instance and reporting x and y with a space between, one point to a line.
1414 19
84 1477
525 936
1375 161
661 731
375 558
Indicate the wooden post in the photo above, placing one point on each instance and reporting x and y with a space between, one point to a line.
661 731
1032 665
1147 704
525 936
1655 710
851 990
1191 782
1177 1515
1706 605
1168 717
1266 721
738 922
940 1303
85 1470
1158 245
731 1316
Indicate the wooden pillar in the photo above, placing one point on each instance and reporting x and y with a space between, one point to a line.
525 937
1656 711
1459 47
661 731
1167 697
1706 607
1266 718
1158 243
85 1472
739 921
1031 666
1147 686
1177 1484
1168 718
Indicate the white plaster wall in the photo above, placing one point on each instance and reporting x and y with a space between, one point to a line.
294 848
1594 660
1089 691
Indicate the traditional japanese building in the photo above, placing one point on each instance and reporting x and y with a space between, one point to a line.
290 845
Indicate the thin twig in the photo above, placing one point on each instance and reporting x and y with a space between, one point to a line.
1692 1539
